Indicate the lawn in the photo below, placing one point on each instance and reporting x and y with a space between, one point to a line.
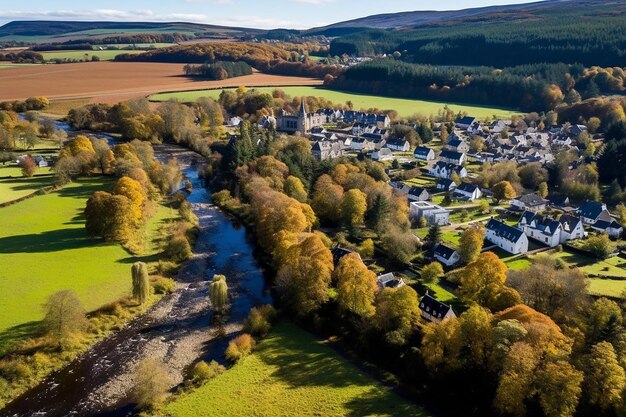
404 107
44 248
441 294
519 264
14 186
106 55
607 287
292 373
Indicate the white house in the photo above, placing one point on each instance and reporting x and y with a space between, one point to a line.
544 229
467 192
592 212
445 185
446 255
445 170
571 228
398 145
435 311
389 280
465 122
457 145
507 238
422 153
383 154
418 194
529 202
433 213
361 144
612 228
452 157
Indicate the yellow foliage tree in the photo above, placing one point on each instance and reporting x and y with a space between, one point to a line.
134 191
356 285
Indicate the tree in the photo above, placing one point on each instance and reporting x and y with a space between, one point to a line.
599 246
605 379
431 272
477 144
353 208
28 166
136 195
327 198
503 191
240 347
356 285
378 212
103 154
471 243
516 379
109 216
218 293
559 387
305 274
543 190
141 282
482 281
397 311
295 189
151 383
433 238
64 316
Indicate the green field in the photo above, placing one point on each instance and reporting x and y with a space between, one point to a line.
607 287
4 65
404 107
44 248
106 55
14 186
292 374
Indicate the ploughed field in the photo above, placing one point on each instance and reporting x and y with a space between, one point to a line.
44 248
404 107
291 373
111 82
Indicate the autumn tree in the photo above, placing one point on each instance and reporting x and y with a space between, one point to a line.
397 312
326 199
605 379
503 191
353 207
109 217
295 189
218 293
482 281
136 195
559 386
356 285
105 159
28 166
64 316
431 272
471 243
141 282
151 383
542 190
305 275
599 246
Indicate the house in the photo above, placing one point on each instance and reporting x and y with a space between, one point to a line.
457 145
435 311
465 122
389 280
544 229
571 228
444 170
422 153
507 238
452 157
558 201
324 150
593 211
529 202
467 192
236 121
418 194
339 252
361 144
433 213
398 145
446 255
611 228
383 154
40 161
400 187
445 185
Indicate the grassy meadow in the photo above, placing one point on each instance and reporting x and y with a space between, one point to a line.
106 55
404 107
44 248
291 373
13 185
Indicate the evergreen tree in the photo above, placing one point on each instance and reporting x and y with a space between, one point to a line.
434 236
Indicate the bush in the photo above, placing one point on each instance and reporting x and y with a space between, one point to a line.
599 246
239 347
367 248
203 372
259 321
178 249
162 285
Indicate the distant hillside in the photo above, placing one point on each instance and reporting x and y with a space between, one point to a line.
570 31
58 31
415 18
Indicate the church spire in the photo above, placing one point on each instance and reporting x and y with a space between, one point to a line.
303 111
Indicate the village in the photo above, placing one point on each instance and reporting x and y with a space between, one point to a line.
446 194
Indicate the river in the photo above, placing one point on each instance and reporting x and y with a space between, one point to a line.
177 329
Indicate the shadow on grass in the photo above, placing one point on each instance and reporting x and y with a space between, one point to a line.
51 241
17 334
382 403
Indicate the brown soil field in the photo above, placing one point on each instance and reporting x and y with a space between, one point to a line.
111 82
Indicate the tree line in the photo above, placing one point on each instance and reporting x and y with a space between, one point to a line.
219 70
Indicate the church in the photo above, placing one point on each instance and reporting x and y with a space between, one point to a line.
301 122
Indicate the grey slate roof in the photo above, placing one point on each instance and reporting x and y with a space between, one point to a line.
505 231
433 307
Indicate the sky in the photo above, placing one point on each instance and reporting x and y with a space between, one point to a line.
265 14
